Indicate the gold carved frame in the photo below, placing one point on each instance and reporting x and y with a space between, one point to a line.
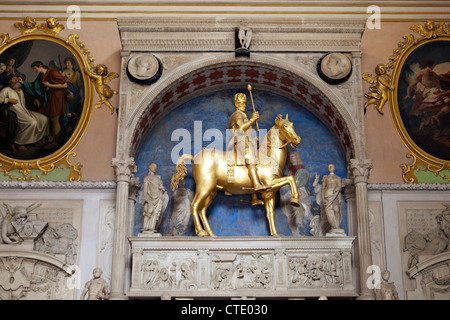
384 88
60 158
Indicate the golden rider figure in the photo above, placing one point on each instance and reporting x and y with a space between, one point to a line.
243 143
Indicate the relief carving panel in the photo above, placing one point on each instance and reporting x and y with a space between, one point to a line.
250 266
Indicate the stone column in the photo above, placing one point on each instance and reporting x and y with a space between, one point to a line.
350 198
360 172
124 170
135 186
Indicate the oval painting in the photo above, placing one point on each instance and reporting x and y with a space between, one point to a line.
424 97
42 95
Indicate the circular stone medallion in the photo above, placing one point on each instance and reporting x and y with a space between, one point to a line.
144 67
334 68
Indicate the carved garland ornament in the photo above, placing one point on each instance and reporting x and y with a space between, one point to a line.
35 157
416 82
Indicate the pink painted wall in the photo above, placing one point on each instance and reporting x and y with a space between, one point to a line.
98 145
383 143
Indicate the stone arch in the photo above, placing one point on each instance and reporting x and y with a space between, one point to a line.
263 73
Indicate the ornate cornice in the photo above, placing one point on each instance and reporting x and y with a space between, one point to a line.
408 187
66 185
210 34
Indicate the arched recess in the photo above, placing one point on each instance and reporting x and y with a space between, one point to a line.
263 73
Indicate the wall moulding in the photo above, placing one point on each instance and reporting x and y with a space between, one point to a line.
209 34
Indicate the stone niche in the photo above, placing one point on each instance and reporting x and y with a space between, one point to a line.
280 267
198 57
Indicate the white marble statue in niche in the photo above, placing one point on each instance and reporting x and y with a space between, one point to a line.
155 200
332 201
181 214
295 215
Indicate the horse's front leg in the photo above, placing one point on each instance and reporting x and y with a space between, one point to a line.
269 205
277 183
295 197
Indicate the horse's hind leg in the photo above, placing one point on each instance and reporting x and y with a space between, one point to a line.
269 204
196 206
205 206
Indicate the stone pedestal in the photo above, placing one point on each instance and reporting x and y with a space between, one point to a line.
230 267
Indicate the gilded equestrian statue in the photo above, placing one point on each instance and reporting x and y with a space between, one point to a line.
215 170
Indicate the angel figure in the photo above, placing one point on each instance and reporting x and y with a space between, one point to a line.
28 25
9 217
52 26
103 90
381 83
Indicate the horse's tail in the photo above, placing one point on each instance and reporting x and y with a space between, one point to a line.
180 170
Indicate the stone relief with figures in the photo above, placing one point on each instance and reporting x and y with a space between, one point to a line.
426 253
194 269
37 251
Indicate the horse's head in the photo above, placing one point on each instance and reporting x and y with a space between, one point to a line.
287 133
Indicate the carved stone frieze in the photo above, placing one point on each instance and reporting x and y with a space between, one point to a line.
242 271
57 185
166 271
227 267
210 34
316 271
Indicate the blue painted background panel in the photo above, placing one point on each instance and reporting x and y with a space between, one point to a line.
228 215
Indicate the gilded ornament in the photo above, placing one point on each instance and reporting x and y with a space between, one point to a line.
104 91
28 26
51 26
381 84
211 169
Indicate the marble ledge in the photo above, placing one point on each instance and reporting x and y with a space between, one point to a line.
106 185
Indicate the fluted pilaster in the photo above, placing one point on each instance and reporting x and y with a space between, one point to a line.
124 170
360 169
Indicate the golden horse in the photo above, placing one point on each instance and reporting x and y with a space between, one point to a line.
211 170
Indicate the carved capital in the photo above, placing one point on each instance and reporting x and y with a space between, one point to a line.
360 169
124 169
